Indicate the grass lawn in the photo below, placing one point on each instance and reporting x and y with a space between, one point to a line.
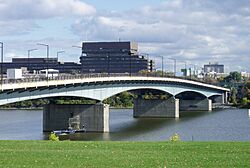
123 154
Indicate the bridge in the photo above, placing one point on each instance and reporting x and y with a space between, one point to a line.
184 94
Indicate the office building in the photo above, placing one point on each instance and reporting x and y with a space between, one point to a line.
113 57
214 68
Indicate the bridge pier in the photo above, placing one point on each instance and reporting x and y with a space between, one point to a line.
196 105
95 117
218 99
156 108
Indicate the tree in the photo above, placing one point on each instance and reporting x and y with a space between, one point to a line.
233 77
233 96
244 102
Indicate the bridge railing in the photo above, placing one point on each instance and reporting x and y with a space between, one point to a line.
30 79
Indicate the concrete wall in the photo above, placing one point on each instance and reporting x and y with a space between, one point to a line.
218 99
95 118
196 105
156 108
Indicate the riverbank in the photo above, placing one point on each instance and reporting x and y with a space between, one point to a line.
123 154
22 108
41 108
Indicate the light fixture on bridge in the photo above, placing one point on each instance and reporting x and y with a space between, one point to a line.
1 63
29 51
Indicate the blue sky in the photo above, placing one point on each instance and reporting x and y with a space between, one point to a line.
195 31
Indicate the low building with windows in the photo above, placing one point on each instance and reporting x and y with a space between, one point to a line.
37 64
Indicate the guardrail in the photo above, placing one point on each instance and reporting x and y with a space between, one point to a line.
85 76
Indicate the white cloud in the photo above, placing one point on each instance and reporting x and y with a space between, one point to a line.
17 27
40 9
200 31
18 17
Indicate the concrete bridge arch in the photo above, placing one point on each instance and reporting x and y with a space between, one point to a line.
96 91
103 88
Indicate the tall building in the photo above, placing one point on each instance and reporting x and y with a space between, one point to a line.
214 67
113 57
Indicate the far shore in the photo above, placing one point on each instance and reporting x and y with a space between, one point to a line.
41 108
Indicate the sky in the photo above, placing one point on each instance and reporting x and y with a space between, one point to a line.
195 31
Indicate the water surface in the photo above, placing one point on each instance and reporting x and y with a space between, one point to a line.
220 125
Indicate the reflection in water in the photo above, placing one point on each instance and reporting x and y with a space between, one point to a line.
220 125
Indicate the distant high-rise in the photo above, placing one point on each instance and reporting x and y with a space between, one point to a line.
112 57
214 67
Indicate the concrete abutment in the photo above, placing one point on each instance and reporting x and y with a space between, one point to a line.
95 117
196 105
156 108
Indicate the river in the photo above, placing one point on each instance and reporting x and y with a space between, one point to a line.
219 125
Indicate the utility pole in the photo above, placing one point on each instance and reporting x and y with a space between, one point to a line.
162 65
57 56
174 65
185 62
47 48
1 63
29 51
74 46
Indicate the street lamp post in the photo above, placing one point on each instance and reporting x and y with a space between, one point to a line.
162 65
29 51
57 56
174 65
108 64
47 47
74 46
185 62
1 63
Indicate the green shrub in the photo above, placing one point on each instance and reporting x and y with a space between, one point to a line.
175 138
53 137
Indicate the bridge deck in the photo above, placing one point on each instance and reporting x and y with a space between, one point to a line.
97 78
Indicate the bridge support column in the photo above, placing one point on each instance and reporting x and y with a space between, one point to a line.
156 108
95 118
196 105
226 97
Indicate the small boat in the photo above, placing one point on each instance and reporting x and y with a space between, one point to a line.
74 127
68 131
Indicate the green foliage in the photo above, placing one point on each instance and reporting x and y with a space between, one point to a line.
156 73
175 138
247 88
124 99
72 100
245 95
233 77
53 137
41 102
27 104
244 101
233 95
